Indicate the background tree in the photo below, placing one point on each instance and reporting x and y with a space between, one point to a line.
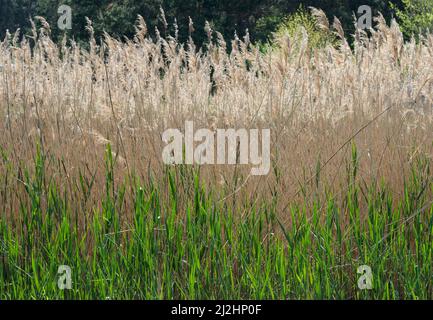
415 16
260 17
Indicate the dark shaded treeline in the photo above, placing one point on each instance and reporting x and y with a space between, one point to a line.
226 16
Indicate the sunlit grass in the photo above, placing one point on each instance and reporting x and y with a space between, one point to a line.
208 251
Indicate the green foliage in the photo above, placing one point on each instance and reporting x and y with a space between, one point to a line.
416 17
262 18
117 18
199 248
296 26
265 25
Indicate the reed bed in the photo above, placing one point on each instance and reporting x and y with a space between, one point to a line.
82 181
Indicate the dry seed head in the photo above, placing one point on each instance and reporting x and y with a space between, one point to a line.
322 20
190 26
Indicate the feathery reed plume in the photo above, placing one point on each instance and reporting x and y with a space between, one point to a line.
321 19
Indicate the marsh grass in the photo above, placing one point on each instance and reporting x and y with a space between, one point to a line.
162 249
82 182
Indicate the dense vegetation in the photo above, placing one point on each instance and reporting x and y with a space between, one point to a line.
226 16
207 252
83 184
